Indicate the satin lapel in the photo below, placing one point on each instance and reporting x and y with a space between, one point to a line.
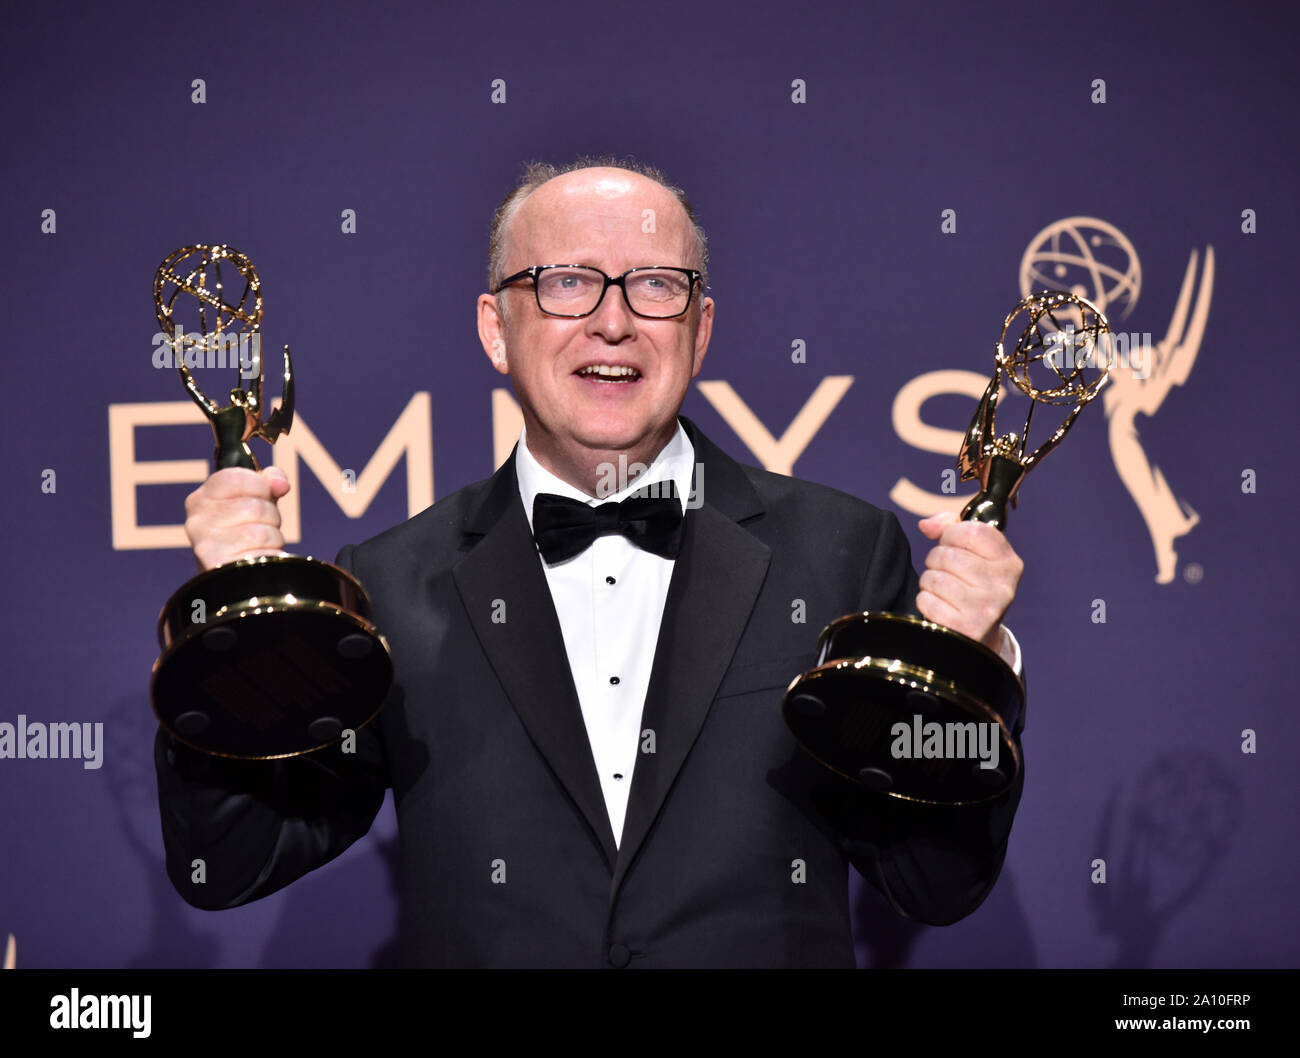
715 582
526 650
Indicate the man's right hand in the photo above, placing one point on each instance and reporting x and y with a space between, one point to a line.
233 515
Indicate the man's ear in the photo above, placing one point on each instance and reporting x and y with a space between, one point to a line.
492 332
703 332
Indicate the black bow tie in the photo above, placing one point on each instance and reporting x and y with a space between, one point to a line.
563 527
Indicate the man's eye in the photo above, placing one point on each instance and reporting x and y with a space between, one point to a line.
559 284
659 284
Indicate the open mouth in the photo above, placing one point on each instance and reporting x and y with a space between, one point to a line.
612 373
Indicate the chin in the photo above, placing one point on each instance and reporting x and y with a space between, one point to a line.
612 431
610 440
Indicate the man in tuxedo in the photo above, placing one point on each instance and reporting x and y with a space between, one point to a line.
584 736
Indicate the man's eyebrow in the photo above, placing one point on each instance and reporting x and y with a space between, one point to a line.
578 260
585 258
585 261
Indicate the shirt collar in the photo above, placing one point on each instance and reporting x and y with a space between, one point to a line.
676 461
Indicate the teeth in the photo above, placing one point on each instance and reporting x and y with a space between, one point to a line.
609 371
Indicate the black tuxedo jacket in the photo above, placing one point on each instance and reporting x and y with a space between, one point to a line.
735 846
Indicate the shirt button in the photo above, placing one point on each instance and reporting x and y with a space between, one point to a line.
619 956
609 580
614 680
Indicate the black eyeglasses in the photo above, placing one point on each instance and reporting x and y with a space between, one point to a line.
660 292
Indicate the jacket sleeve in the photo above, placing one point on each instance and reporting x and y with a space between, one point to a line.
932 863
236 830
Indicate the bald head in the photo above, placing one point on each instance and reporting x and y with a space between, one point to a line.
547 193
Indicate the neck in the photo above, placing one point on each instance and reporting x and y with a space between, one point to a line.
588 469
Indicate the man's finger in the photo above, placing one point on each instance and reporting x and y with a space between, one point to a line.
965 565
934 608
236 481
978 537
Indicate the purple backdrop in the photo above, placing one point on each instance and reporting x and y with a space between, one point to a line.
826 221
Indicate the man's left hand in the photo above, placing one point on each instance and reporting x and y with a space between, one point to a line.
970 578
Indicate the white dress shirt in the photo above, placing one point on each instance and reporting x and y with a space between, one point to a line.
610 600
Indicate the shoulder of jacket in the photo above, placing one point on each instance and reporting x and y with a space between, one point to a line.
809 501
436 530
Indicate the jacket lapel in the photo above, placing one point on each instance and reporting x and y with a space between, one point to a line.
715 583
526 650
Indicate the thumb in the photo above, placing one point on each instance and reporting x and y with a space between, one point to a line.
278 481
933 526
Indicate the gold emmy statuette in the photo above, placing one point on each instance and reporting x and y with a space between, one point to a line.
264 657
907 707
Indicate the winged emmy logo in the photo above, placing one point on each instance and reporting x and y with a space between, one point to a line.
1094 259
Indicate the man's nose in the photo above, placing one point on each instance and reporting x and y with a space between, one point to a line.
613 317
